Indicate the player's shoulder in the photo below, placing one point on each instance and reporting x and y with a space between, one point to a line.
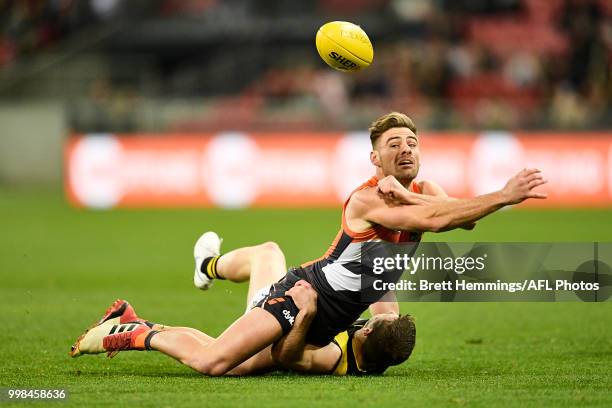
362 202
364 197
430 187
340 342
363 194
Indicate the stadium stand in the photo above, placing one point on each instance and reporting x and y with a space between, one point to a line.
170 65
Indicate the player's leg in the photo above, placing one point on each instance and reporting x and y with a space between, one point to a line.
260 263
260 363
202 337
249 335
267 266
240 264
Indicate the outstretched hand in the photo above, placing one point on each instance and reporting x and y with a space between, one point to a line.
521 186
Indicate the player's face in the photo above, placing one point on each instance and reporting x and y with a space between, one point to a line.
397 154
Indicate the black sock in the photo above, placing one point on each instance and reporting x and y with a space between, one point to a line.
147 342
209 267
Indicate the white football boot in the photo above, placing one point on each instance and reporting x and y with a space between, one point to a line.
208 245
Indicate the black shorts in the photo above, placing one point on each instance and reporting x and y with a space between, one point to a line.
280 306
331 315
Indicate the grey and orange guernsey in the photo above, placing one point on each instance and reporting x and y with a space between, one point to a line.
343 278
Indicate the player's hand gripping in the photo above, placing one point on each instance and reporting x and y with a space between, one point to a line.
520 187
394 193
304 297
390 188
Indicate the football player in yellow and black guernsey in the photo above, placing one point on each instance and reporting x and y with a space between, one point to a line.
368 335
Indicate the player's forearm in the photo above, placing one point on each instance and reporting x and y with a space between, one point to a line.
289 350
409 198
458 213
406 196
386 304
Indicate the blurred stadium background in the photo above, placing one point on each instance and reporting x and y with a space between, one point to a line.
200 65
170 67
211 103
492 85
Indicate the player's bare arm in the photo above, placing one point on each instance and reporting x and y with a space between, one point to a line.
387 304
291 351
290 348
431 193
432 189
368 207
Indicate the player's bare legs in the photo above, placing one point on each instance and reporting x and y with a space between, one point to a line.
180 342
244 348
202 337
244 339
261 264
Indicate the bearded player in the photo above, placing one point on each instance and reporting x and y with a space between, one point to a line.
390 207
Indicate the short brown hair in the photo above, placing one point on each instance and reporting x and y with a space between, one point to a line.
390 343
389 121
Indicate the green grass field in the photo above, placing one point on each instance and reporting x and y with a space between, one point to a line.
62 267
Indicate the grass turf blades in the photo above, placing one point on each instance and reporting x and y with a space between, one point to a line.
61 267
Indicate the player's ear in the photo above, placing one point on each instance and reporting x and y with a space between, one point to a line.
366 331
375 158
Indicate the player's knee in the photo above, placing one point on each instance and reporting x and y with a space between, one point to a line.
269 249
213 367
271 246
217 370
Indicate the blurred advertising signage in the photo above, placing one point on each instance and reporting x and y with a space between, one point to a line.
294 170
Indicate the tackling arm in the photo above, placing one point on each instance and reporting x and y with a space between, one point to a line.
291 351
387 304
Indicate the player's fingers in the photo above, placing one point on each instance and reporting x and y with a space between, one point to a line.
535 183
293 289
534 174
537 195
529 180
534 177
520 174
303 283
530 176
529 172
